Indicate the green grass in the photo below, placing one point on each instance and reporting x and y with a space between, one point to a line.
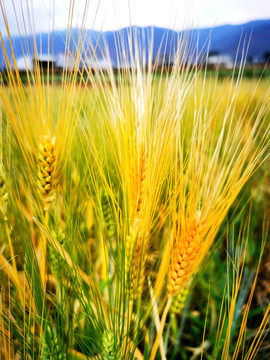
248 73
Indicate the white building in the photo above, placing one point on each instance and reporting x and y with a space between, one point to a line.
98 64
23 63
219 60
65 61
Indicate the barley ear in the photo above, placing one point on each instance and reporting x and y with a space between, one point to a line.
142 180
136 241
185 254
134 264
57 262
52 346
111 349
48 172
108 215
179 301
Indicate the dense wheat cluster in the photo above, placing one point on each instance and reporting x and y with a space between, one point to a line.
133 210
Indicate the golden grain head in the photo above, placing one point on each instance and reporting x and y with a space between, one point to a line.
185 254
48 172
135 244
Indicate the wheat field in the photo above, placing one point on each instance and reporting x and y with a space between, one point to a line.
134 214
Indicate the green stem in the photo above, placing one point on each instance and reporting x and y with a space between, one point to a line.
14 262
44 250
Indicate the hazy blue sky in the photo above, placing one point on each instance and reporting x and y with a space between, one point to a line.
112 14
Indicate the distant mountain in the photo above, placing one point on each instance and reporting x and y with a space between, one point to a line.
116 45
255 35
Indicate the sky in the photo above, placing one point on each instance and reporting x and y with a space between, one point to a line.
115 14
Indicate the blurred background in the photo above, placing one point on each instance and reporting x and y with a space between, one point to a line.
222 29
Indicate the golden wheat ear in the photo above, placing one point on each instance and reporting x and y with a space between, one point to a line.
185 254
136 241
48 170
